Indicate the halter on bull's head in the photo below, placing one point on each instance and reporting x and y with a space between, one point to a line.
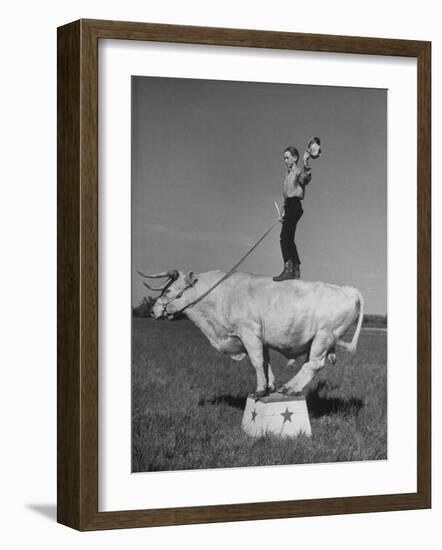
173 297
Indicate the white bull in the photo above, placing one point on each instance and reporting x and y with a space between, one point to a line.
249 315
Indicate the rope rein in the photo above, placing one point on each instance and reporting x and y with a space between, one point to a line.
313 151
224 277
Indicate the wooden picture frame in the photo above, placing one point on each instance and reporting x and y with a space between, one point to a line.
77 223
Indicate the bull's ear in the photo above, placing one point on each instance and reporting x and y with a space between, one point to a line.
191 278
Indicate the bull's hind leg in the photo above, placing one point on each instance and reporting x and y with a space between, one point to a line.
318 352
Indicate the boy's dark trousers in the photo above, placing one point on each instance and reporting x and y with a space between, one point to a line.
292 214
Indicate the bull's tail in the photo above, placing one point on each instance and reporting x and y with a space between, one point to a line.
351 346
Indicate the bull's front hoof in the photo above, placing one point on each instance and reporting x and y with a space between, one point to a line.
283 389
260 394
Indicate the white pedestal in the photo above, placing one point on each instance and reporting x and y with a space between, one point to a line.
279 414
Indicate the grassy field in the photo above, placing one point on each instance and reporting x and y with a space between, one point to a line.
188 401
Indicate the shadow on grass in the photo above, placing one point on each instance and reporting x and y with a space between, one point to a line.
237 401
320 405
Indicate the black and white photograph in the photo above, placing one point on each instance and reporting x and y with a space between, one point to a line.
222 219
259 274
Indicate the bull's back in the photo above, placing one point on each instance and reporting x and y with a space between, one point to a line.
291 311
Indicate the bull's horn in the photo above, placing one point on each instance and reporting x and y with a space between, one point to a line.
155 275
173 274
159 289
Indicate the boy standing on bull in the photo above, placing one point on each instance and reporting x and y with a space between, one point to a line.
294 191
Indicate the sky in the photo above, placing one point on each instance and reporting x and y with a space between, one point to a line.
207 166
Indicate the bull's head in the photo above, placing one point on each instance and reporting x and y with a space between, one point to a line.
176 292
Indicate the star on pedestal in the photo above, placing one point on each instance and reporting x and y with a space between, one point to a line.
254 415
287 415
